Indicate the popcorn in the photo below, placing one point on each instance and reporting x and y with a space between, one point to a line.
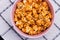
32 16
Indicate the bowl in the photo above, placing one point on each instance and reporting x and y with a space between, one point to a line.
26 35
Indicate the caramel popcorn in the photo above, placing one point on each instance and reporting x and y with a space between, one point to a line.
32 16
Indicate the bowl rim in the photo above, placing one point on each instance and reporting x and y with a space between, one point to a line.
26 35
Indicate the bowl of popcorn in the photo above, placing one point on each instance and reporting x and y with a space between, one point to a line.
32 18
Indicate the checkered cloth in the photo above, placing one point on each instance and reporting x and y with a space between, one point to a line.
8 33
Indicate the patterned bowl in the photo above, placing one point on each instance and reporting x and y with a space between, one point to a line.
26 35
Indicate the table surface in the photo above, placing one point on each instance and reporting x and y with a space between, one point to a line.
8 33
